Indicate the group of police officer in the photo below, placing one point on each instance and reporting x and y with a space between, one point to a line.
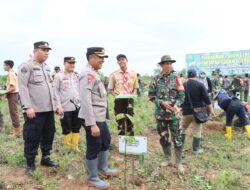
82 101
71 97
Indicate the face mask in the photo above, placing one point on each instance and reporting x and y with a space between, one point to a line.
202 76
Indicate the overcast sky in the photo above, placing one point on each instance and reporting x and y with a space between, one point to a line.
144 30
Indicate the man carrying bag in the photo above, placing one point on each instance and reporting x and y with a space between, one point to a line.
197 109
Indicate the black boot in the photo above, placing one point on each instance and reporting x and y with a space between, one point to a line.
30 168
178 157
46 161
196 146
167 153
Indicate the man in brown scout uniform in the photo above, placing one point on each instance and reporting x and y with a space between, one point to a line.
167 92
38 103
92 114
124 82
67 90
12 96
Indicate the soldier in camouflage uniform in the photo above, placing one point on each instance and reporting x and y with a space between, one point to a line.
215 81
167 92
235 86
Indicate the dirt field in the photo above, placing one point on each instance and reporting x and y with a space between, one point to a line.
224 164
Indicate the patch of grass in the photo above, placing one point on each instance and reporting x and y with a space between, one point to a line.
16 159
17 185
2 185
3 157
202 170
47 183
219 152
37 175
228 180
200 182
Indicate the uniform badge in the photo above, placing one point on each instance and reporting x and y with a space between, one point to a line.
90 79
24 70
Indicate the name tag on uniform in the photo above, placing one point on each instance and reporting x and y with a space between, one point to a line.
135 145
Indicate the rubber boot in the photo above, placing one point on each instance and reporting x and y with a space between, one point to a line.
228 132
167 153
75 141
247 127
103 165
93 178
67 140
196 145
178 157
30 168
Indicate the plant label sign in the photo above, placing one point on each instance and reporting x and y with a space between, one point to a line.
135 145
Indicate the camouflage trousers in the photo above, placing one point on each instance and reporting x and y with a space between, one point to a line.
166 128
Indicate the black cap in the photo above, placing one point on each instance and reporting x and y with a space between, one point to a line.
70 59
99 51
42 45
9 62
57 68
121 56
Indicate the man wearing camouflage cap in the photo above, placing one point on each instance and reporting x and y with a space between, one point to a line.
167 92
